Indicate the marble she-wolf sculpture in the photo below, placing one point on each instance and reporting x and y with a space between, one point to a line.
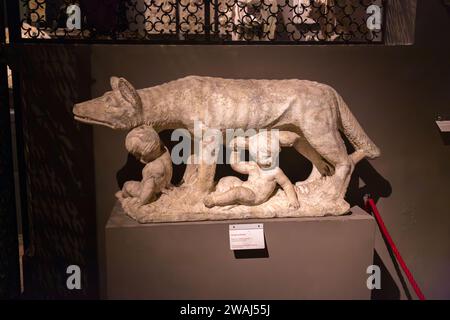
313 112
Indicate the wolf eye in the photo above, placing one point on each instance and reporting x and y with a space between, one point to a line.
110 102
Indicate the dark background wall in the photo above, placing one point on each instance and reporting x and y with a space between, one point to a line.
395 92
60 199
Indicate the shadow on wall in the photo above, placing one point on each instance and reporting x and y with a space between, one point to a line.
447 5
60 196
373 184
366 180
445 138
389 289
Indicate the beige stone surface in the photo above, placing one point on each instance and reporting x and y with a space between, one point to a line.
312 112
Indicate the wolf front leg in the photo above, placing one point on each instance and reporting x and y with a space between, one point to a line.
191 173
205 181
206 165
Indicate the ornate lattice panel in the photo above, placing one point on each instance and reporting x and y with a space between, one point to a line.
210 21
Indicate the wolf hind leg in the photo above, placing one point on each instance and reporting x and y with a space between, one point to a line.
320 166
329 144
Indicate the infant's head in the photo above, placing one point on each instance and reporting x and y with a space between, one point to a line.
143 142
264 148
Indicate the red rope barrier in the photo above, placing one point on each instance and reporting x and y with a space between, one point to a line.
370 203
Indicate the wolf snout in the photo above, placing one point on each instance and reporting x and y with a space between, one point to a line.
78 109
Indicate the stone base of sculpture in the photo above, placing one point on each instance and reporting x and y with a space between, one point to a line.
304 258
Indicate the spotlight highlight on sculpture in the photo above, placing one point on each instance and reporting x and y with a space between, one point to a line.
264 116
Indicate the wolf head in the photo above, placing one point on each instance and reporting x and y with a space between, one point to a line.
120 108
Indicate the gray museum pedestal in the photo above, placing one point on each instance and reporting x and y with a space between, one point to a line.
306 258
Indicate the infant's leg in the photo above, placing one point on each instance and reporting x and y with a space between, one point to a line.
237 195
148 191
226 183
131 189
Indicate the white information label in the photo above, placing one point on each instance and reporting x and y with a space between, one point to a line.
247 236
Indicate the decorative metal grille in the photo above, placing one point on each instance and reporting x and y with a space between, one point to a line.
205 21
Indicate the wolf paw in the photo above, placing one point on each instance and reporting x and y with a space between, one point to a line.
307 187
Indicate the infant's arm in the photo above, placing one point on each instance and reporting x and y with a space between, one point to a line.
287 138
147 191
288 187
243 167
166 158
154 169
151 174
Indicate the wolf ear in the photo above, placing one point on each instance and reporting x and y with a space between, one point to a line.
114 81
127 91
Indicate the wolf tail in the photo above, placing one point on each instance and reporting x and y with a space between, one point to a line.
355 133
